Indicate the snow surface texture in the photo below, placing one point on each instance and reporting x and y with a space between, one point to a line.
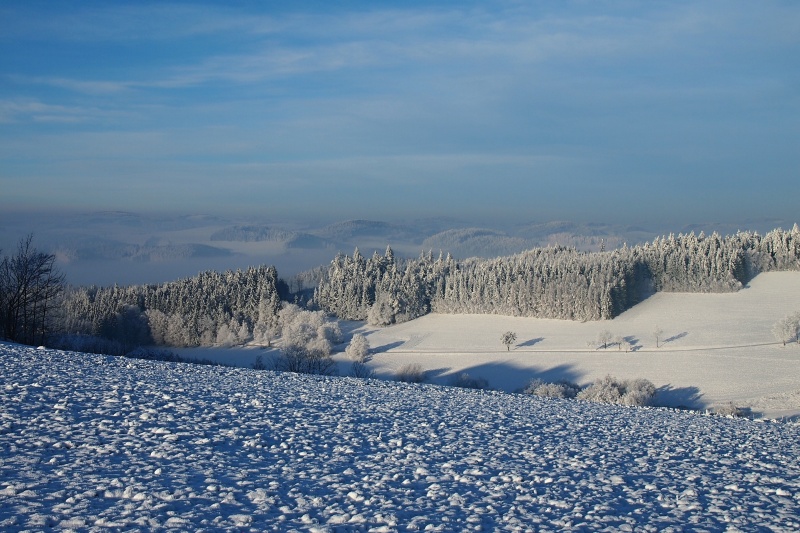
94 442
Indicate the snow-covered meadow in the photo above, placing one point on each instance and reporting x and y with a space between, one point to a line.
93 442
716 349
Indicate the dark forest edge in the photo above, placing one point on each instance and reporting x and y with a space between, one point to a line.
235 307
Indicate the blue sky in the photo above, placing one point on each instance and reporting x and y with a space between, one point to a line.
605 111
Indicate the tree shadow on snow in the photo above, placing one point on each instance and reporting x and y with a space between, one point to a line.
676 337
508 377
531 342
386 347
680 397
350 327
633 342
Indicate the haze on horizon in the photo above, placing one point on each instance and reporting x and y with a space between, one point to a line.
609 111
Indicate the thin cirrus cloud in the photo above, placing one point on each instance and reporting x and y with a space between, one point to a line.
567 99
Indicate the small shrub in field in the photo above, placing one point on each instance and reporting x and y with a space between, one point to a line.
562 389
622 392
411 373
728 410
466 381
361 370
301 360
358 349
638 392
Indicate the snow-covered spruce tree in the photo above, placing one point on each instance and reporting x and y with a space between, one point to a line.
187 312
777 250
552 282
382 289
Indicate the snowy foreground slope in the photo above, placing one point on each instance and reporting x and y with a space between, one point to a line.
94 442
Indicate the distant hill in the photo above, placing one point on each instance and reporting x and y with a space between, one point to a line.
291 239
360 229
476 242
112 250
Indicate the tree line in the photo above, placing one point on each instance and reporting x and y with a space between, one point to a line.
211 308
234 307
553 282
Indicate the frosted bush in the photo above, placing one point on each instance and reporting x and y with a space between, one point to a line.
411 373
301 360
561 389
466 381
360 370
358 349
382 313
728 410
638 392
623 392
605 390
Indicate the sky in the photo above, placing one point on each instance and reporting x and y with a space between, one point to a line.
605 111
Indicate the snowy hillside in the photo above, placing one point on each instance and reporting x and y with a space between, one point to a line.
716 349
91 442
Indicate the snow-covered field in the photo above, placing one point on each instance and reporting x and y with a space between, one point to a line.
93 442
716 349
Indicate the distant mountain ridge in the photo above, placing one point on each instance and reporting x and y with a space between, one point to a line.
291 239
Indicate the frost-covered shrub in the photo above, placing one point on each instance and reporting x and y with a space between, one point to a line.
382 312
411 373
358 349
360 370
622 392
638 392
466 381
258 364
562 389
310 330
728 410
606 390
787 329
302 360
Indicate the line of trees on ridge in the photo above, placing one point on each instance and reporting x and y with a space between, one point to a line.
554 282
233 307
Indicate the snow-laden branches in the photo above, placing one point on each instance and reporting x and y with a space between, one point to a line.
553 282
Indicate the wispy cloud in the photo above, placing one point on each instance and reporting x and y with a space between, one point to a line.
24 110
365 95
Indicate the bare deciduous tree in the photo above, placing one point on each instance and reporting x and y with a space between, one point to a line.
658 333
29 285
